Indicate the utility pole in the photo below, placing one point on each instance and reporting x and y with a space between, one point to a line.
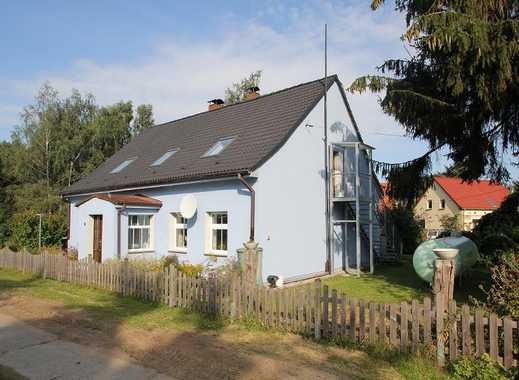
326 159
39 230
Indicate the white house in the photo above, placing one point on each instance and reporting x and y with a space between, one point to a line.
271 146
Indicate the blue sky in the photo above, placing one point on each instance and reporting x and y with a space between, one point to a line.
176 55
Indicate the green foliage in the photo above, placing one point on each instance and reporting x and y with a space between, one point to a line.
409 227
191 270
59 141
143 119
237 92
498 231
24 230
5 206
481 368
450 223
503 294
460 85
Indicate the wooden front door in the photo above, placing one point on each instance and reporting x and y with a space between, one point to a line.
98 237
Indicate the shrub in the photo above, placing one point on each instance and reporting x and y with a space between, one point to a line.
191 270
481 368
503 295
24 230
409 227
498 231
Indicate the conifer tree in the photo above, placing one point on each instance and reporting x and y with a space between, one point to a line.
459 89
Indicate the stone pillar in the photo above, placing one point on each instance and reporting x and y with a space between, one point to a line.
443 278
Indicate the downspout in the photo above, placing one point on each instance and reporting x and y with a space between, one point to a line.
119 212
252 205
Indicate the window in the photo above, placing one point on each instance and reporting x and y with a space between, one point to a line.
218 147
179 233
218 232
429 204
164 157
123 165
139 231
442 204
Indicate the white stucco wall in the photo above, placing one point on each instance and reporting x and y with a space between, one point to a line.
290 205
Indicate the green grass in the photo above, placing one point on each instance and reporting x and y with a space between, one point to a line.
409 366
104 307
7 373
107 306
399 282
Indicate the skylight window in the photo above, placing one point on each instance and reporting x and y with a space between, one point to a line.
218 147
164 157
123 165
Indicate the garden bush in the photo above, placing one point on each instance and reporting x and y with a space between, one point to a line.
481 368
498 232
503 294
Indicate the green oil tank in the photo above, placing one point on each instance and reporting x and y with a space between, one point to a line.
424 257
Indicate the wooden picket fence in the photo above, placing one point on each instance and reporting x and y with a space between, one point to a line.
310 309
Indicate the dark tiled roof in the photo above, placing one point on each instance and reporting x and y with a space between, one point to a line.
259 127
125 200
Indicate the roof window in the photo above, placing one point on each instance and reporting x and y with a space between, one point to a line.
218 147
123 165
164 157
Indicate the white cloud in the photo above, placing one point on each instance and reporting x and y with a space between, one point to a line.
181 75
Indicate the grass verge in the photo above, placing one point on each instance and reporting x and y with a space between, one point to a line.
245 338
399 282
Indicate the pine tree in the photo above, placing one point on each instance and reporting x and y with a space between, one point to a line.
459 88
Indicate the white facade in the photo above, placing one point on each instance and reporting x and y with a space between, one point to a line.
290 206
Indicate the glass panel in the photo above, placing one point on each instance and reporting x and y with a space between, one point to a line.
145 238
181 237
164 157
122 165
224 240
218 147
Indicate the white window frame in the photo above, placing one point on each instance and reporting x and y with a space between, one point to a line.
210 250
442 204
150 227
429 201
174 226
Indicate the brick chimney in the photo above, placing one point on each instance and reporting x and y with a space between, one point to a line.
252 93
215 104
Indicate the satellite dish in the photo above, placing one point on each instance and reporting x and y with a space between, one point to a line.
188 206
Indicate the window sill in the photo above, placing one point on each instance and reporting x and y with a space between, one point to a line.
130 251
216 254
184 252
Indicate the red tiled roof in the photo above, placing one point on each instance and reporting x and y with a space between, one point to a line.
476 195
125 200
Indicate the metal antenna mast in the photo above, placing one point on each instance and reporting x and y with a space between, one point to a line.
326 159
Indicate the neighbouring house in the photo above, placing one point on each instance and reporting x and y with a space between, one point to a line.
253 169
461 203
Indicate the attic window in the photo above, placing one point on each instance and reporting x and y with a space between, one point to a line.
123 165
164 157
218 147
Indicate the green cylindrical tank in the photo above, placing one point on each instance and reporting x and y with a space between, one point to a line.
424 257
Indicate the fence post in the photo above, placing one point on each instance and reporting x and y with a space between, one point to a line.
317 298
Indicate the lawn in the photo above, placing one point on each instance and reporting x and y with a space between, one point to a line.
178 342
106 306
399 282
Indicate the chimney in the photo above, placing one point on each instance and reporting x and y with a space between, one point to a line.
215 104
252 93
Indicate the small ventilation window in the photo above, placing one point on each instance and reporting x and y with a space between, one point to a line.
164 157
218 147
123 165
